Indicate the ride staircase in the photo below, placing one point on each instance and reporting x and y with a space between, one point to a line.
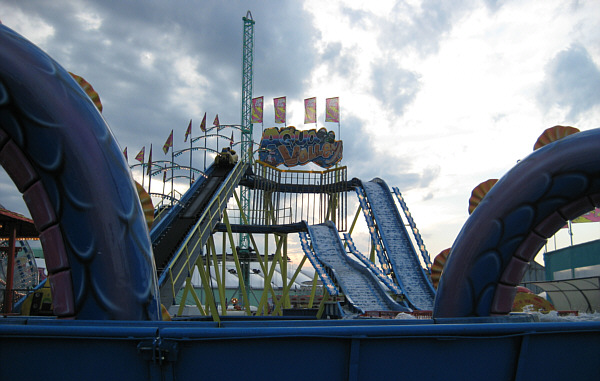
360 286
179 237
399 251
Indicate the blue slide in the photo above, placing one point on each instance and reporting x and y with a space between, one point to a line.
359 284
401 254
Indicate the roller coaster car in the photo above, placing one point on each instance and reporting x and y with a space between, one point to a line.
227 157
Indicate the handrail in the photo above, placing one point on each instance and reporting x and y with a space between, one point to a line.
373 231
413 226
212 212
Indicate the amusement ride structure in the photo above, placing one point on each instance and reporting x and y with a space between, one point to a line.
109 273
269 205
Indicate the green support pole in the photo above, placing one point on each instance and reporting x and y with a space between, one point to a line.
247 140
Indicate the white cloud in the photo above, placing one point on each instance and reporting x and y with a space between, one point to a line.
35 28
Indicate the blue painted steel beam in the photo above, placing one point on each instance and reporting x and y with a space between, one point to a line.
354 349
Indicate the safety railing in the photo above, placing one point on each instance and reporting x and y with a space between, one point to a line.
413 227
184 259
311 196
373 231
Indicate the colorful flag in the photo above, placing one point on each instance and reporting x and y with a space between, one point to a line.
216 121
140 156
150 160
332 107
203 124
257 110
279 104
168 143
231 141
125 153
188 131
310 110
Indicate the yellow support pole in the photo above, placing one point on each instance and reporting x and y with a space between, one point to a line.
188 284
183 301
353 223
264 310
284 268
210 301
323 301
269 276
224 268
287 289
238 268
313 291
220 281
245 220
270 213
264 267
358 210
372 256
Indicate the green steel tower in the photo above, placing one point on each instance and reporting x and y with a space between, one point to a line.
246 147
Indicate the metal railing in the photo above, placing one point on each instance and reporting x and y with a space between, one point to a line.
184 259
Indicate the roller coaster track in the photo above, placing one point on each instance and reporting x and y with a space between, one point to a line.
403 259
179 238
360 286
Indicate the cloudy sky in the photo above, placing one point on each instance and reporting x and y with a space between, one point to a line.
435 96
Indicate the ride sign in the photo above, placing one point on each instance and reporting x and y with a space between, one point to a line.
292 147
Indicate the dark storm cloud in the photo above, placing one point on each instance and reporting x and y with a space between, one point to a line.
572 82
130 51
285 50
394 86
138 96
